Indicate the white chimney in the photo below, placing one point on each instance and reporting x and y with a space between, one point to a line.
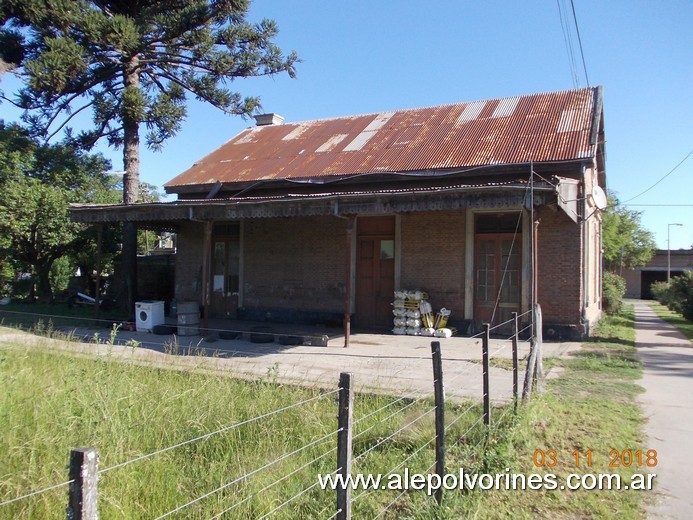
268 119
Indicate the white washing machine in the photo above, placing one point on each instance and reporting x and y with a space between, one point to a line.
149 313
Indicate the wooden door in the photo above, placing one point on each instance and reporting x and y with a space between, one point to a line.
225 277
498 272
375 273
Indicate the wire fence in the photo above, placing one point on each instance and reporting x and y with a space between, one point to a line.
429 427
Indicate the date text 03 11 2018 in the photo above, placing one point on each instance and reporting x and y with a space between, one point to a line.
616 458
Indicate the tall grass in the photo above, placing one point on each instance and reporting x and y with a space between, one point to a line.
53 402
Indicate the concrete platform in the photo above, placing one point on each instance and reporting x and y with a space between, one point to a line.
383 363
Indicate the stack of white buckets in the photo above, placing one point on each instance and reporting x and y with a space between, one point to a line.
413 316
188 318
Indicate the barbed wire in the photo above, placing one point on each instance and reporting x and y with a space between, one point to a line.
354 459
270 486
219 431
388 417
453 422
39 492
391 472
297 495
249 474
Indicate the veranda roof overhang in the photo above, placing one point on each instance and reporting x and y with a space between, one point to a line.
165 215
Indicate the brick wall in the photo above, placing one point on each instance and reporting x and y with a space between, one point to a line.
298 264
559 271
189 262
432 257
295 263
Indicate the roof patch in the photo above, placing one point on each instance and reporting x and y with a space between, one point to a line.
367 134
247 138
568 121
471 111
331 143
506 107
296 132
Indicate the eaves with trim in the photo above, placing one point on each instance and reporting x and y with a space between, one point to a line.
167 215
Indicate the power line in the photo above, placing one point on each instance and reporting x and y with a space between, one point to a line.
660 205
660 180
567 39
582 54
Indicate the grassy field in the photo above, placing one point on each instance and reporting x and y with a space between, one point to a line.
682 324
52 402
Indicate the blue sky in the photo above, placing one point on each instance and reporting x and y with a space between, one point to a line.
371 56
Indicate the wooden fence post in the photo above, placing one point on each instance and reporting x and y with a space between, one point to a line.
82 503
539 323
485 363
515 341
344 440
439 391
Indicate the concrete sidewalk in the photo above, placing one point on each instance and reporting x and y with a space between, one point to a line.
668 405
382 363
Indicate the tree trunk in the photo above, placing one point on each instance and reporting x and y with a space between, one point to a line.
131 132
44 292
131 181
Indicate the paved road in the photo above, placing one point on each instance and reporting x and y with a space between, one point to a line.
668 404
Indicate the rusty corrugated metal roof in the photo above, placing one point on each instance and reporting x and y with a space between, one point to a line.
547 127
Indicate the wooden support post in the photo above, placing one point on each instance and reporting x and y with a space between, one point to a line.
97 290
485 363
129 265
344 440
82 504
347 298
439 392
514 346
206 273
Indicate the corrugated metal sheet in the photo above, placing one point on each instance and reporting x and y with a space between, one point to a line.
541 128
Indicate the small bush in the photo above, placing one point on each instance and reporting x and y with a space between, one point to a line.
682 287
661 292
613 289
677 296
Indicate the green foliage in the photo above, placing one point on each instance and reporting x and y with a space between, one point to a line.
38 182
135 62
661 292
625 243
613 290
677 296
60 274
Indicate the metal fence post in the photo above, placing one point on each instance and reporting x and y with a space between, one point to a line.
439 391
485 363
82 503
344 441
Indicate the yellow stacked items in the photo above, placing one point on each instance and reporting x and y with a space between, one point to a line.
442 318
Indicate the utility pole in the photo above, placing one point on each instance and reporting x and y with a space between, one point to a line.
669 253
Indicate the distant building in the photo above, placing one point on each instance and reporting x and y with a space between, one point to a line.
638 281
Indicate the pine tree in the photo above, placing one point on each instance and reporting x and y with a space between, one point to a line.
132 63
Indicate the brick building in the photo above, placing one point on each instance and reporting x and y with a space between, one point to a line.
483 205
